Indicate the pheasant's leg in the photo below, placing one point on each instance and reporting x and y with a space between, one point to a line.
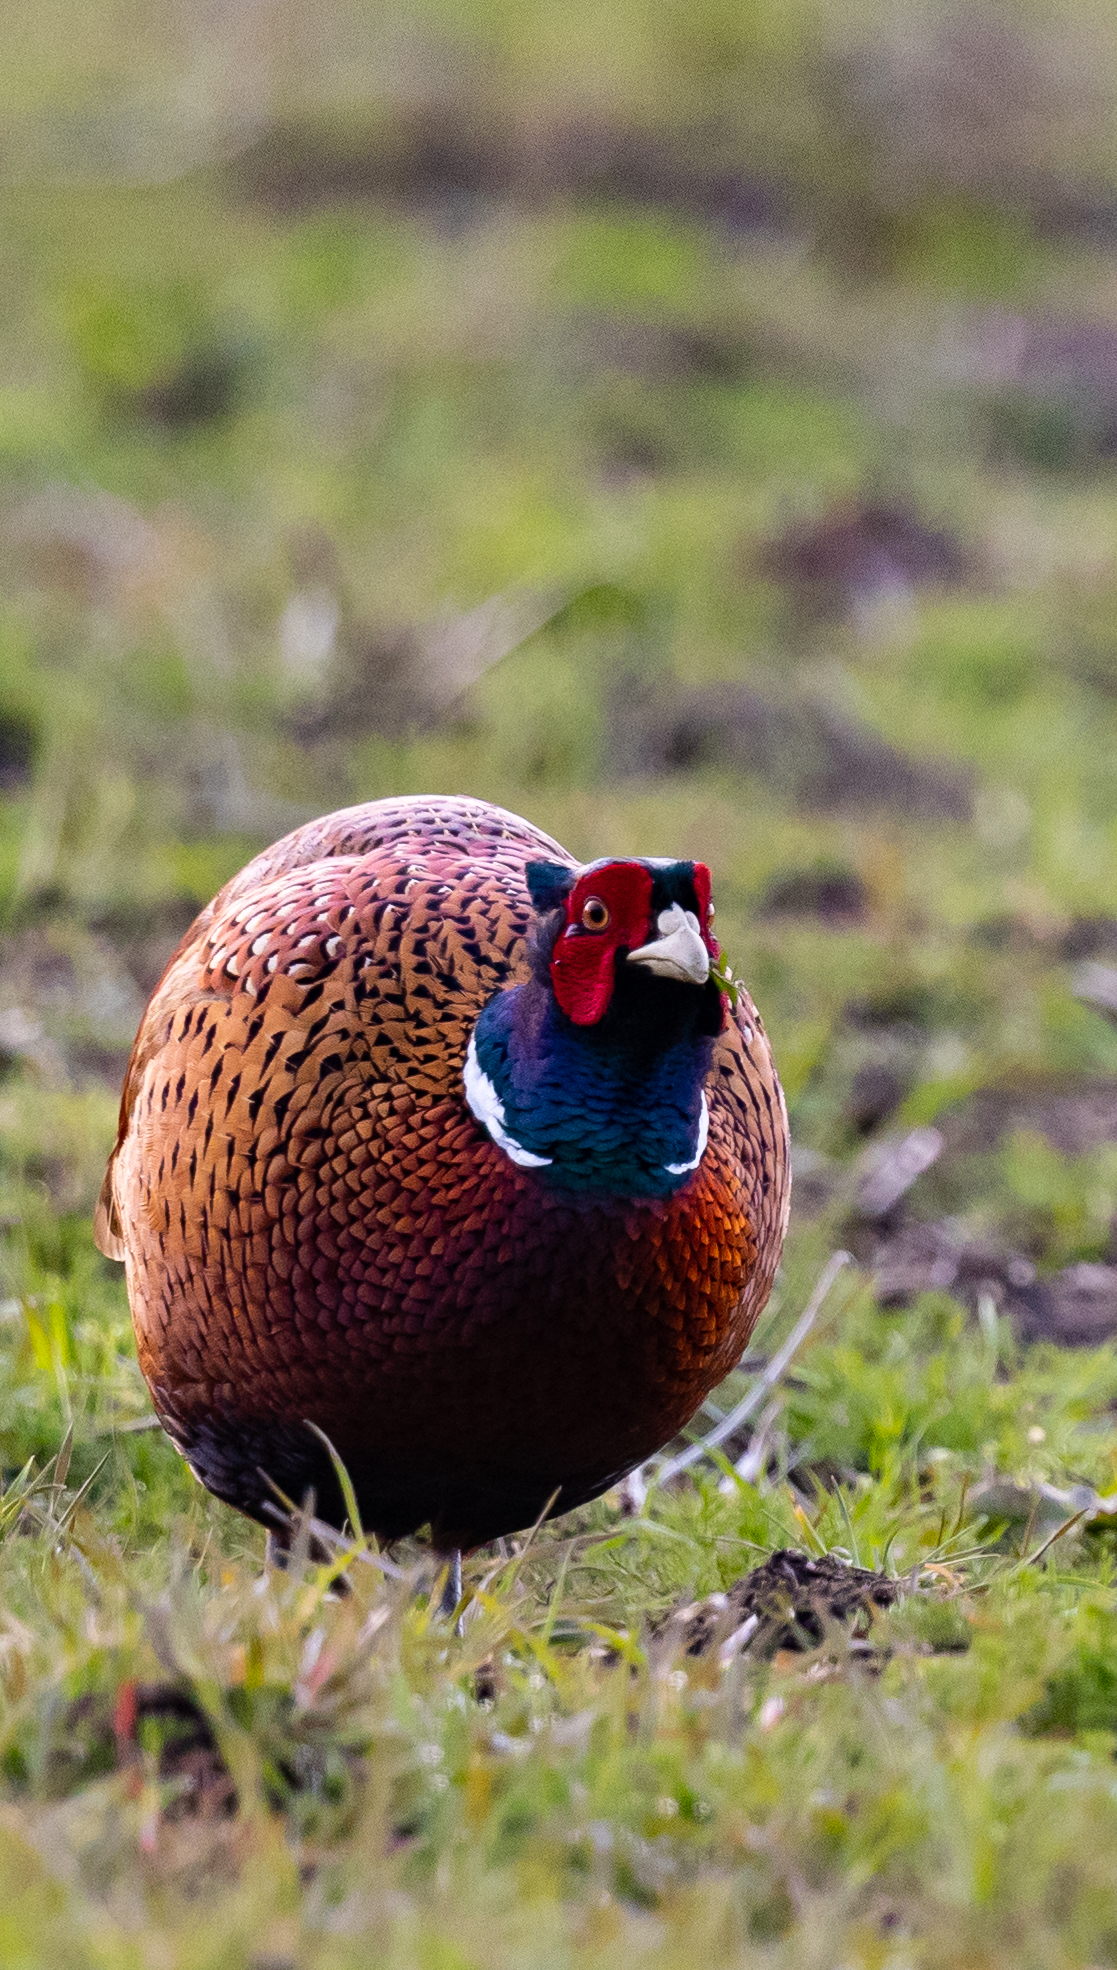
452 1586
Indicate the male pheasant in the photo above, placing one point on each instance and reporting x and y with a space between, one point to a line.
447 1145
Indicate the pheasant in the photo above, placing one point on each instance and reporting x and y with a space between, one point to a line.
451 1147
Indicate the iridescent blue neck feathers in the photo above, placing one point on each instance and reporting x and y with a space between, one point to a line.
616 1108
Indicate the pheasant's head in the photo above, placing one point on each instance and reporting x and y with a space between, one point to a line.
616 926
592 1071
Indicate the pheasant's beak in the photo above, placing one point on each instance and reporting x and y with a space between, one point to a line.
678 951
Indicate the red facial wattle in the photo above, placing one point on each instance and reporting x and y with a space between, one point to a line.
583 960
702 887
585 953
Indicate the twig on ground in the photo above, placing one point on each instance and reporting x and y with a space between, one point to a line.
1031 1558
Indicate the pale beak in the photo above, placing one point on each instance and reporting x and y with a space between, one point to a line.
678 951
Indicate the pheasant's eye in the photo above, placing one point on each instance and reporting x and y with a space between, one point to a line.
595 913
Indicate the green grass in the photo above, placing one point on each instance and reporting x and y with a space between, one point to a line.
262 444
607 1796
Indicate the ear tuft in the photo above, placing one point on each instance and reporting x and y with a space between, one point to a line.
549 884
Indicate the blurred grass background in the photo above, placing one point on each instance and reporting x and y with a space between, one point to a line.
696 429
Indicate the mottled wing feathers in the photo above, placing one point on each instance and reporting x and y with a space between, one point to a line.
447 825
748 1125
402 915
